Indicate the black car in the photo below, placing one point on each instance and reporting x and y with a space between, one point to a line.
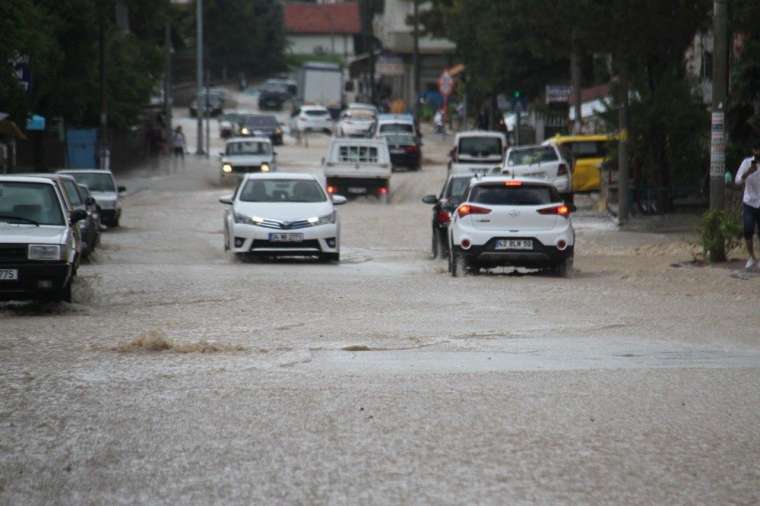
405 151
261 125
273 95
451 196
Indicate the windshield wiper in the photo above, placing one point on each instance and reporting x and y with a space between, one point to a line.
11 217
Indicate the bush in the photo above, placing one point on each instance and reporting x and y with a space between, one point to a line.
720 232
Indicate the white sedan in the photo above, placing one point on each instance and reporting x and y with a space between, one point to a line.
282 214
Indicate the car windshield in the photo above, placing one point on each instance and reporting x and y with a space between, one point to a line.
400 140
480 146
586 149
261 121
231 117
272 87
457 187
532 156
248 148
33 203
282 190
497 194
96 182
396 127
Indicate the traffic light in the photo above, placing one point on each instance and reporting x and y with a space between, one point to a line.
517 94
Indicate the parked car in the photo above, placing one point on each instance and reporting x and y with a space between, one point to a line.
395 124
261 125
451 196
356 167
585 155
38 240
89 227
244 155
478 149
229 125
364 107
356 123
214 103
518 222
540 162
104 190
405 151
312 118
273 94
282 214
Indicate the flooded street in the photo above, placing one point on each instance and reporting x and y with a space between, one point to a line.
182 375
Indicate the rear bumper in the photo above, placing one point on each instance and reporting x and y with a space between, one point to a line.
405 160
35 280
352 186
541 256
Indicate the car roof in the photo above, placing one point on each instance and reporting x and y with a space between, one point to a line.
280 175
504 179
52 175
531 146
26 179
405 118
85 171
248 139
480 133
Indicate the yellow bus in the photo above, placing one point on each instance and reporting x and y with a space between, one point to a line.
585 153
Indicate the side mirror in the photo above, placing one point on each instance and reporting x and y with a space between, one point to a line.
430 199
227 201
122 189
339 200
78 215
89 201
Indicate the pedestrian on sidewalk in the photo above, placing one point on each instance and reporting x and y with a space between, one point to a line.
749 176
179 144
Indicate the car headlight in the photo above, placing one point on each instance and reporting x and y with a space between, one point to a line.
245 131
323 220
248 220
44 252
227 168
265 167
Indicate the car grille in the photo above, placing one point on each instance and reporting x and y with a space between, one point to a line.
284 225
300 246
12 252
244 169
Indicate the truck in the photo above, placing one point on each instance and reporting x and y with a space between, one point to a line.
321 83
355 167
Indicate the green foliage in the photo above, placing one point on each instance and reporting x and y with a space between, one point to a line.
720 232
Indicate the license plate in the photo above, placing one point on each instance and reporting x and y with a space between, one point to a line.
397 151
8 275
286 237
357 191
520 244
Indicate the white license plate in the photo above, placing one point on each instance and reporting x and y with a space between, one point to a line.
397 151
8 275
520 244
357 191
286 237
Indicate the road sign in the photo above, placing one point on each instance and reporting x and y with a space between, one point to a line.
446 84
558 94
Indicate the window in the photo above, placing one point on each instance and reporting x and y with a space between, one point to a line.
396 127
532 156
500 195
248 148
282 190
95 182
72 193
457 187
33 203
480 146
316 112
588 149
358 154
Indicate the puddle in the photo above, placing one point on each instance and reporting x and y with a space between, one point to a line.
535 354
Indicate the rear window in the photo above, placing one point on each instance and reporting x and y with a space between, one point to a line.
396 127
532 156
480 146
589 149
500 195
29 203
400 140
358 154
96 182
316 113
457 187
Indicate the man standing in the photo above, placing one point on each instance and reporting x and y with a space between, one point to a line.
178 146
749 176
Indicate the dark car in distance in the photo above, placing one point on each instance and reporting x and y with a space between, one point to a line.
261 125
214 103
273 95
452 194
405 151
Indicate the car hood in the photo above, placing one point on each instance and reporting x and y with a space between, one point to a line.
285 211
247 159
27 234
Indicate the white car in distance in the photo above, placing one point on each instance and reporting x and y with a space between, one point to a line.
104 190
312 118
356 123
540 162
282 214
243 155
511 222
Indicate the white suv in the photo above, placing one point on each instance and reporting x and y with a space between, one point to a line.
540 162
511 222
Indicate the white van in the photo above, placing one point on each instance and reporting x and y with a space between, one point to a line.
356 167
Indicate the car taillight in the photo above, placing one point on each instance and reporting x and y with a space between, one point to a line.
562 170
330 189
513 183
468 209
443 217
562 210
411 149
383 190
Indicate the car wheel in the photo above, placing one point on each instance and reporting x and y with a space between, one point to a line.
64 295
436 247
458 264
564 269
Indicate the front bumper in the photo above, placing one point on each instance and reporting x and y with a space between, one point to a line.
110 215
36 280
256 240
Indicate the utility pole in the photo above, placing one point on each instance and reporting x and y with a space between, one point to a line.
719 99
199 73
104 155
208 114
624 197
575 78
168 80
416 60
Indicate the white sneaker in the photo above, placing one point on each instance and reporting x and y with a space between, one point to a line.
750 265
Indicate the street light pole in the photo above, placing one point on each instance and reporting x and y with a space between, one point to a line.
719 98
199 74
416 60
